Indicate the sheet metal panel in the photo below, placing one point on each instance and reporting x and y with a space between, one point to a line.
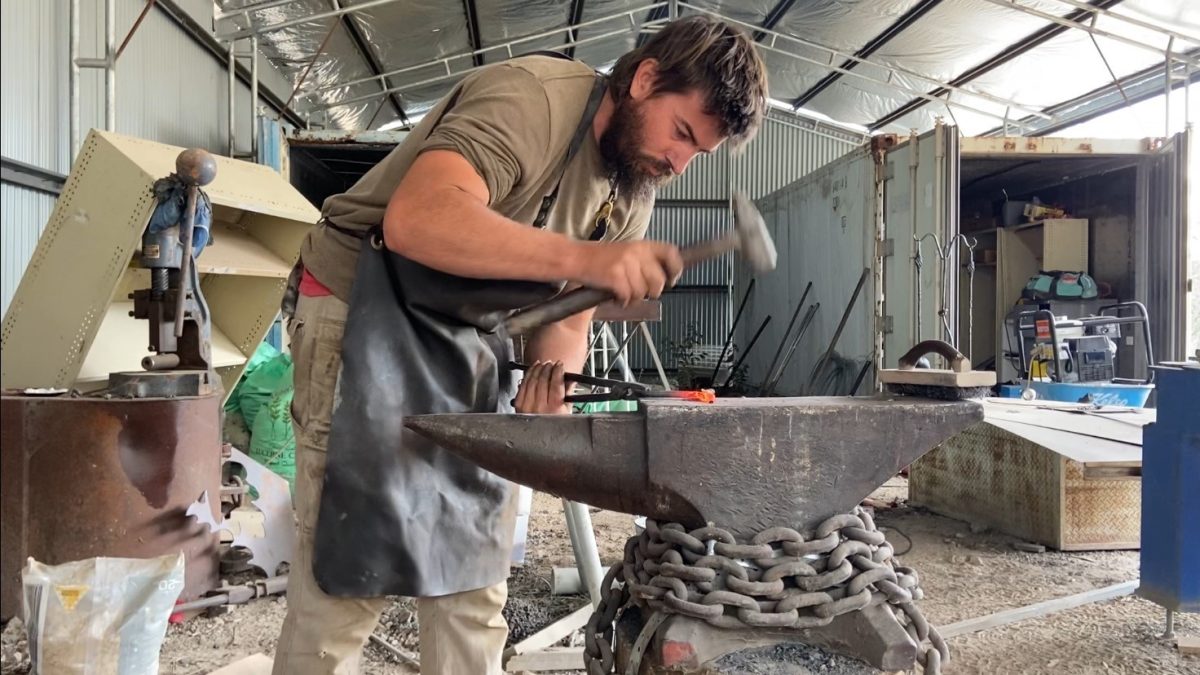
24 215
684 225
823 226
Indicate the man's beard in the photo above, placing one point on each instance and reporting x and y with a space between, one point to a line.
620 146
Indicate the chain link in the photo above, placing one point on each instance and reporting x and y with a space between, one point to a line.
780 578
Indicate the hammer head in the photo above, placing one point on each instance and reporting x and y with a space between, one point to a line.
753 238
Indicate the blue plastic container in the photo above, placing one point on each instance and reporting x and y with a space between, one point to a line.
1170 573
1102 393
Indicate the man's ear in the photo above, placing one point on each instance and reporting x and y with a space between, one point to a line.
644 78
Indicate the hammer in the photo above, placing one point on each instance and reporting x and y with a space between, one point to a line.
749 236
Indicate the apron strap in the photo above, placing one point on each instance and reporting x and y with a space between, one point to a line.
581 131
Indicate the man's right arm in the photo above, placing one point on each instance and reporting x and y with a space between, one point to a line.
439 217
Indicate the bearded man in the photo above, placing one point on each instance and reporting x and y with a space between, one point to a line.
533 175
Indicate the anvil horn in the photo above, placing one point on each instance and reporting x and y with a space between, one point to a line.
745 464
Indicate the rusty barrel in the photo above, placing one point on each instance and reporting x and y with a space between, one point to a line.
90 477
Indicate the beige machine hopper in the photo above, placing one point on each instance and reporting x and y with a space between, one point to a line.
68 324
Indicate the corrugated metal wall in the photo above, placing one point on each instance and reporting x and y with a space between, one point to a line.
169 89
695 207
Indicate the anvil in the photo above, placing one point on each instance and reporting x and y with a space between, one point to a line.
742 464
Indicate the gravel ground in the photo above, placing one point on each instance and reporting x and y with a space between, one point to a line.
965 572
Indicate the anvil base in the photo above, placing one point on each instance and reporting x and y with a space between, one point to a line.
863 642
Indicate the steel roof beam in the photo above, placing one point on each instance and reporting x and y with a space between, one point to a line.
506 47
773 17
656 14
1113 96
1134 21
909 18
573 20
372 61
476 43
890 82
1038 37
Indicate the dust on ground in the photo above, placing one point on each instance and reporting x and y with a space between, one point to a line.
966 572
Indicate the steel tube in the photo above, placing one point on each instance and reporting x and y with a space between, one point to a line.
746 352
110 68
808 318
733 329
837 334
583 543
662 373
1194 39
787 333
254 98
73 78
443 78
893 70
230 120
1011 4
136 25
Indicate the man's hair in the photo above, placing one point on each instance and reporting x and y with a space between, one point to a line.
702 53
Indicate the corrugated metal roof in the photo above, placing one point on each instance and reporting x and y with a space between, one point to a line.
878 62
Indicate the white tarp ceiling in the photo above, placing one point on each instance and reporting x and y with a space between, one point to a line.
1004 61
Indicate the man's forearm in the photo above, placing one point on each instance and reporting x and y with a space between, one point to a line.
564 341
454 232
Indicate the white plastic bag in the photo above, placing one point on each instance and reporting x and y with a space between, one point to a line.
100 616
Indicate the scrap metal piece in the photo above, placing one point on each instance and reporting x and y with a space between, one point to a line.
272 541
803 459
202 511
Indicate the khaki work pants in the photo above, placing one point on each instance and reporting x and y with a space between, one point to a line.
460 634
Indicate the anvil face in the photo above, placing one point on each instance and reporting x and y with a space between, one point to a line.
742 464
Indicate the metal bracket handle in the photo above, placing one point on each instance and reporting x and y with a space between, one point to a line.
958 362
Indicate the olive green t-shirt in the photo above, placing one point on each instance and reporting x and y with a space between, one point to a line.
513 122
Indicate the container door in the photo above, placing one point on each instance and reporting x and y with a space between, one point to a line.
920 252
1161 278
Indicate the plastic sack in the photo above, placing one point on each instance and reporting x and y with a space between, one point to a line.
272 438
256 389
265 352
100 616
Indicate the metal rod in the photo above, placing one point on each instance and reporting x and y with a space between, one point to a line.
662 373
620 351
746 352
732 330
442 78
110 69
136 24
1167 89
783 342
1013 5
769 389
837 334
254 98
307 69
1169 633
232 121
834 54
185 279
862 375
583 544
1194 39
311 18
73 78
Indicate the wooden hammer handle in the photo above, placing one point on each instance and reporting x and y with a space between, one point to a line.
581 299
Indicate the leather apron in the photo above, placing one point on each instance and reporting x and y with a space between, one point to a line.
400 515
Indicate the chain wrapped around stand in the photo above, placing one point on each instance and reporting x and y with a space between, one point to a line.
781 578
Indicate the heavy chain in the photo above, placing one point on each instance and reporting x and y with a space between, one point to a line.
781 578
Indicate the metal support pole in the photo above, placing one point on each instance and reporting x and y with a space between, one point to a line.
110 66
231 121
662 374
73 85
1169 634
1167 89
254 98
583 543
